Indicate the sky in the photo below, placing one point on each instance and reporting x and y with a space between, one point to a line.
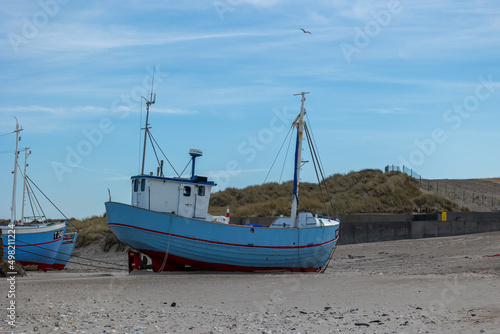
413 83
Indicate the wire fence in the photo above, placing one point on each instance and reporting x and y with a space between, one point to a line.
409 171
458 194
392 168
453 193
412 173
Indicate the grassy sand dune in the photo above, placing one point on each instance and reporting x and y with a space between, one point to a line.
366 191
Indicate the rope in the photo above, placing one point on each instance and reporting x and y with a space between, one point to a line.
31 205
322 270
168 246
314 158
320 167
38 207
186 167
163 153
154 149
277 154
48 199
315 145
284 161
78 257
82 264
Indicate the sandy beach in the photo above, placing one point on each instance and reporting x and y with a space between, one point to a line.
439 285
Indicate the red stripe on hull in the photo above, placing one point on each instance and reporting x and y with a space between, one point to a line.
177 263
222 243
31 245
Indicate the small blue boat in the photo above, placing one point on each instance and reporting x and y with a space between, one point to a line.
66 250
37 243
33 245
168 221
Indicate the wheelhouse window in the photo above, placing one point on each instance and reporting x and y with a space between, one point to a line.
201 191
136 185
187 191
143 184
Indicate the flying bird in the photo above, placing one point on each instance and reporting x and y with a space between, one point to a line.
305 31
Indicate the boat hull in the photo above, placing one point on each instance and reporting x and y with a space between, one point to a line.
66 250
34 245
178 243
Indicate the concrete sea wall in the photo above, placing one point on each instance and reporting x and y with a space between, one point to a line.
372 228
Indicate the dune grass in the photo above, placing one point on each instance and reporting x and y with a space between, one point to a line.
91 230
366 191
95 229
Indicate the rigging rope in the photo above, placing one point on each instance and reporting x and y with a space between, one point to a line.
153 146
151 137
286 156
72 255
186 166
314 158
315 145
272 165
48 199
38 207
31 205
6 134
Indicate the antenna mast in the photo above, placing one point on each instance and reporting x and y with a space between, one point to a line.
299 123
151 101
26 154
16 154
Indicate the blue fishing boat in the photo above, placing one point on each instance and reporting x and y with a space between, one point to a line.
168 221
35 244
66 250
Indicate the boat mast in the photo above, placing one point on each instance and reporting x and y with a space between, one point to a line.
16 154
26 154
146 129
299 123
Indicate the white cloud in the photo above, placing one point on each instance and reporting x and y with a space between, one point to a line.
97 171
60 111
175 111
